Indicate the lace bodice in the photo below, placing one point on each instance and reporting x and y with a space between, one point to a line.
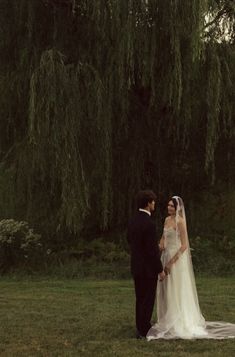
172 240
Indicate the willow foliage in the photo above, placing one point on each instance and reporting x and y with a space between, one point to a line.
100 98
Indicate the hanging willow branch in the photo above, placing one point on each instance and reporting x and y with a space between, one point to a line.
213 103
62 100
109 92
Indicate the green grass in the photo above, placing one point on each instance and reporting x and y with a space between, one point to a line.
96 318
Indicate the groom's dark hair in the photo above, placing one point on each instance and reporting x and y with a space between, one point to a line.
144 197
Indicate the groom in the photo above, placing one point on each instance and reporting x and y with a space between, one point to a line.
145 260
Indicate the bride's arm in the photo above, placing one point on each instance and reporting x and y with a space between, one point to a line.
183 238
162 240
162 243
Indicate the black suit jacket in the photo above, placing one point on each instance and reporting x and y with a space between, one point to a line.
145 256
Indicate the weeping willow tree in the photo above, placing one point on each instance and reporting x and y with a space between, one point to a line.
102 98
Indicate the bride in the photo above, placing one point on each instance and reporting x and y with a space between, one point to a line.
178 310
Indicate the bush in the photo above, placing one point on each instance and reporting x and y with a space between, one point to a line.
96 251
213 254
96 258
19 245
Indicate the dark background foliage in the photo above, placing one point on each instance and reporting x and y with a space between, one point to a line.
102 98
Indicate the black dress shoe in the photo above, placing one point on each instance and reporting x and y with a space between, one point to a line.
140 337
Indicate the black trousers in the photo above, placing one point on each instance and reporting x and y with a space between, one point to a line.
145 292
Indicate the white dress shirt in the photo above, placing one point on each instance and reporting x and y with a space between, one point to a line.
144 210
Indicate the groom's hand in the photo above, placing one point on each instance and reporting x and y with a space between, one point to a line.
162 275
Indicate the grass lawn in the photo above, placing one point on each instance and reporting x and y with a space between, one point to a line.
96 318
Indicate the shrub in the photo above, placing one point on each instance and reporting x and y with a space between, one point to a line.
213 254
19 245
96 251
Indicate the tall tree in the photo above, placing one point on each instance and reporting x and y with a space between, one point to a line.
102 98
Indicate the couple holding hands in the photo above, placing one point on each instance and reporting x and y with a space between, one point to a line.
166 270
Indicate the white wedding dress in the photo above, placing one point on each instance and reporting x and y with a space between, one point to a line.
178 310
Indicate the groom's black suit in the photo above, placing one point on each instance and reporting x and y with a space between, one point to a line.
145 267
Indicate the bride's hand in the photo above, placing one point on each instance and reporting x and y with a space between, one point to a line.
167 270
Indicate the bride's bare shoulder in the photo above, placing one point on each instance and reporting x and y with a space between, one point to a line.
167 218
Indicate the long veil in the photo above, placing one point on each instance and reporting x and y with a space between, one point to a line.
179 314
180 212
